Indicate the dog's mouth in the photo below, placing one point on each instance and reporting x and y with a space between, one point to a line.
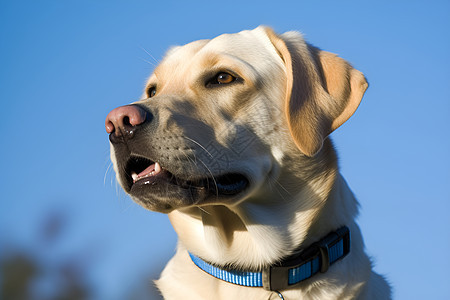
141 172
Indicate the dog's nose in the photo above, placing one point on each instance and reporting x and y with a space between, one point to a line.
121 123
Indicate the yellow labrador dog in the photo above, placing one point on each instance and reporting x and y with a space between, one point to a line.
231 141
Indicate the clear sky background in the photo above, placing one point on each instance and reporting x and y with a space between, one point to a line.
65 64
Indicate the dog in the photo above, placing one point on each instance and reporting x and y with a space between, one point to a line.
230 139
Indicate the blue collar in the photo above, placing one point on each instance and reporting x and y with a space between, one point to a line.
304 264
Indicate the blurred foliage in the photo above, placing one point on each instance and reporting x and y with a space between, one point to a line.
30 274
17 272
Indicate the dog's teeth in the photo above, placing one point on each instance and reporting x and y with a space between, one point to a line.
157 168
151 170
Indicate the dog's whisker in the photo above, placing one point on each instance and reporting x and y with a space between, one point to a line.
144 60
212 177
280 185
111 181
204 210
130 204
117 189
276 185
189 159
193 162
145 50
106 173
207 178
198 144
281 194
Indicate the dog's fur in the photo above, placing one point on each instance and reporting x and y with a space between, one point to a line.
270 125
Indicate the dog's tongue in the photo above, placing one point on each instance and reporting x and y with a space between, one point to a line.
151 170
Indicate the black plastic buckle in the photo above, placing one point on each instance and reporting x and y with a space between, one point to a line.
276 278
329 241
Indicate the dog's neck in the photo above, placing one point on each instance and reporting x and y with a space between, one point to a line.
256 233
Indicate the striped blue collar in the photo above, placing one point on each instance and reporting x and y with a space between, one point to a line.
292 270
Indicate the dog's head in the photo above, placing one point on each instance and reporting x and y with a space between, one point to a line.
222 119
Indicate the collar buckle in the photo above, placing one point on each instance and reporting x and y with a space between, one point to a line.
275 278
328 254
318 257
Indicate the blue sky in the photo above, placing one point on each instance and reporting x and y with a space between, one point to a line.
66 64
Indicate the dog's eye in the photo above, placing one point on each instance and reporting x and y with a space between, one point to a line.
151 91
224 78
221 78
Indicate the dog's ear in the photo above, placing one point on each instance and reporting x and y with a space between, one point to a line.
322 90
